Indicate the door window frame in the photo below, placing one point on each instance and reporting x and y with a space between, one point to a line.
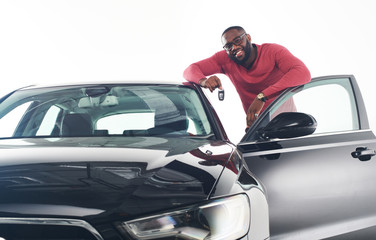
357 105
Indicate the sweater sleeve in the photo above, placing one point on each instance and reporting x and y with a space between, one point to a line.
203 68
294 70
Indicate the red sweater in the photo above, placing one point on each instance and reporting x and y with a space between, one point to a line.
274 70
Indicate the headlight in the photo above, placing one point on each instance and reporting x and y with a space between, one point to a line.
225 218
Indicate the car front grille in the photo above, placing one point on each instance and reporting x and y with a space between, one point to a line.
46 229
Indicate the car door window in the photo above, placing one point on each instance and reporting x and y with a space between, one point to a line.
330 102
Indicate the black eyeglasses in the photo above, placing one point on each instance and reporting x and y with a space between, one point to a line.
237 41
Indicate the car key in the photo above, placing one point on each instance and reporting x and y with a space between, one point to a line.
221 94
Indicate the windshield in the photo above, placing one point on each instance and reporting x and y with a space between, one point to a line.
104 110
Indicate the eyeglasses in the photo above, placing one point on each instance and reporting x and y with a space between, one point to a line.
237 41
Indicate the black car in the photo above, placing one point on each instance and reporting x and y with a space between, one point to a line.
152 161
122 161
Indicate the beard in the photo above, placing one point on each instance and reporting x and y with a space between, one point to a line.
247 50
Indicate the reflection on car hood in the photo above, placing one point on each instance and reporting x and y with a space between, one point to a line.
106 177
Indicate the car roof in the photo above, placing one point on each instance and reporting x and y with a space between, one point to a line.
97 82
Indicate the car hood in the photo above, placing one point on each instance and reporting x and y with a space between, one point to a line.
100 178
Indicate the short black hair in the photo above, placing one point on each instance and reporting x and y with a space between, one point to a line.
233 27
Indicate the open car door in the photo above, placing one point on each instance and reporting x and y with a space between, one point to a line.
317 164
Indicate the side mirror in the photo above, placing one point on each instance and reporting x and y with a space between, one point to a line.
289 125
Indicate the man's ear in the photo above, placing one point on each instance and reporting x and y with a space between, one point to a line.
249 37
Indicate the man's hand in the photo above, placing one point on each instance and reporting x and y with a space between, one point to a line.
212 83
253 111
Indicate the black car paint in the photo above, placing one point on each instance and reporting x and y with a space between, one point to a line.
104 180
86 176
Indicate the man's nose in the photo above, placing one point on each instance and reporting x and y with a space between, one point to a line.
234 47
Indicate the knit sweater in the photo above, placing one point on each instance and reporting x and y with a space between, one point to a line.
273 70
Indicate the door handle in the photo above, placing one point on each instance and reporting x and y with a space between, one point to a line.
363 153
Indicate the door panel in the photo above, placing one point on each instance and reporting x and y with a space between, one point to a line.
315 187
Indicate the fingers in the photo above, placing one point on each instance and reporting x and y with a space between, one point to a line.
254 111
212 83
251 118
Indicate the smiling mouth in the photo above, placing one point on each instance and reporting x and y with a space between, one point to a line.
238 53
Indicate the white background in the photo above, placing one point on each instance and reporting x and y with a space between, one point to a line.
50 41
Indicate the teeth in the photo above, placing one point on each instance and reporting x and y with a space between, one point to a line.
237 54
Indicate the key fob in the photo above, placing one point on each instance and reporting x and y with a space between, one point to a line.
221 94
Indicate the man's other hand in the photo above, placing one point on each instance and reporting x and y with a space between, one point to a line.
254 111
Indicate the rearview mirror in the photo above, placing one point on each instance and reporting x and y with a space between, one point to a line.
289 125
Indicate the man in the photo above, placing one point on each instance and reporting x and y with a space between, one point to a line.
259 72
